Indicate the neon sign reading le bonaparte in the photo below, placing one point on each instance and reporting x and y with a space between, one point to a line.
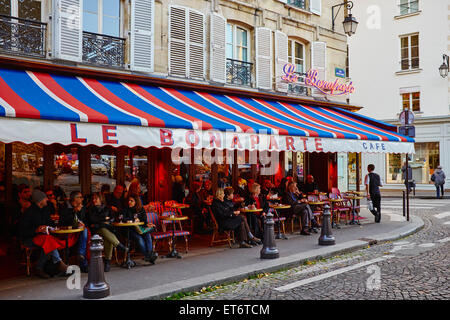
327 87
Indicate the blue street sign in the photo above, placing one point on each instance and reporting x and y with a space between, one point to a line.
339 72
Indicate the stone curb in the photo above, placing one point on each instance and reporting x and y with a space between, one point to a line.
239 274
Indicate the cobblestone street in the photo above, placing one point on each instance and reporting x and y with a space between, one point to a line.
415 267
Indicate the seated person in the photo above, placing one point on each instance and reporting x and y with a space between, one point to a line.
241 190
300 207
99 218
19 206
207 192
258 201
227 219
115 201
196 206
178 189
75 215
140 234
268 189
35 222
310 186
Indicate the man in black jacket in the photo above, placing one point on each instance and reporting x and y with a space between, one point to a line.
75 215
373 182
36 220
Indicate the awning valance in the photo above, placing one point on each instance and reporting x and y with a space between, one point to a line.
50 108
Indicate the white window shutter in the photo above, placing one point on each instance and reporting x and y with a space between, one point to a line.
68 29
196 45
264 58
218 70
319 61
177 41
142 35
281 58
315 6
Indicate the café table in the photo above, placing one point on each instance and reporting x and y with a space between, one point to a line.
66 233
277 207
128 263
246 210
180 206
173 253
354 213
334 222
238 200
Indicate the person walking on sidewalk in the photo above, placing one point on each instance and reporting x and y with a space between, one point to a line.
438 177
373 182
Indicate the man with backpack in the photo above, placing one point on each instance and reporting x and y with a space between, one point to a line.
373 182
438 177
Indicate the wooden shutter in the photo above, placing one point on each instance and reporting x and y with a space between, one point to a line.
264 58
142 35
316 6
217 48
281 58
177 41
67 29
319 61
196 45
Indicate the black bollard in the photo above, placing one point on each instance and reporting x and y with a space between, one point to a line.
96 287
269 249
326 237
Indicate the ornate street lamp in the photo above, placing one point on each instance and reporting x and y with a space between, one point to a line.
350 23
444 68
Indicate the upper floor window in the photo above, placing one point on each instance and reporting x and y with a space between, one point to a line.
298 3
237 43
411 101
409 52
408 6
25 9
238 66
102 17
296 55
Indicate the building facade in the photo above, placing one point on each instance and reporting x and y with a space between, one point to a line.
399 46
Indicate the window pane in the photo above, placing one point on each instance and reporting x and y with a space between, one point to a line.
394 168
405 64
405 53
415 63
414 6
241 54
425 160
28 164
241 37
90 6
229 51
416 95
229 33
111 8
30 9
111 26
298 50
414 41
67 171
90 22
103 169
5 7
404 42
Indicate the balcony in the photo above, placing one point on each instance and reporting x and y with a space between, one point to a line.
239 72
299 88
299 4
22 36
103 50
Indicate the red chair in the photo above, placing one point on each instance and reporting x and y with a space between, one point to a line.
316 209
340 208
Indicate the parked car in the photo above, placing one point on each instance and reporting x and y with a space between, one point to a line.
97 167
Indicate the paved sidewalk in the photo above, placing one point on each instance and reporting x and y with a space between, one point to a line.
204 267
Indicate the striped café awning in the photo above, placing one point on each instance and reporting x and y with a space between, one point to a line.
51 108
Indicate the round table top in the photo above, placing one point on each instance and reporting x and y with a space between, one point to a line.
238 199
335 200
179 205
357 192
316 203
276 198
174 218
282 206
251 210
127 224
67 231
353 197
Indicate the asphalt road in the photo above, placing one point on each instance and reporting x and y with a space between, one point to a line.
413 268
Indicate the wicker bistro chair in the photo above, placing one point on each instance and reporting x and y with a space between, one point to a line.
27 252
316 209
217 231
279 221
161 233
348 203
340 208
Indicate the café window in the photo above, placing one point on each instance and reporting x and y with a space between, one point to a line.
299 170
423 163
411 101
28 164
352 170
103 171
409 52
66 164
296 55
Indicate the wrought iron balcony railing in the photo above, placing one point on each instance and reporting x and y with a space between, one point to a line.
22 36
100 49
298 3
299 87
239 72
